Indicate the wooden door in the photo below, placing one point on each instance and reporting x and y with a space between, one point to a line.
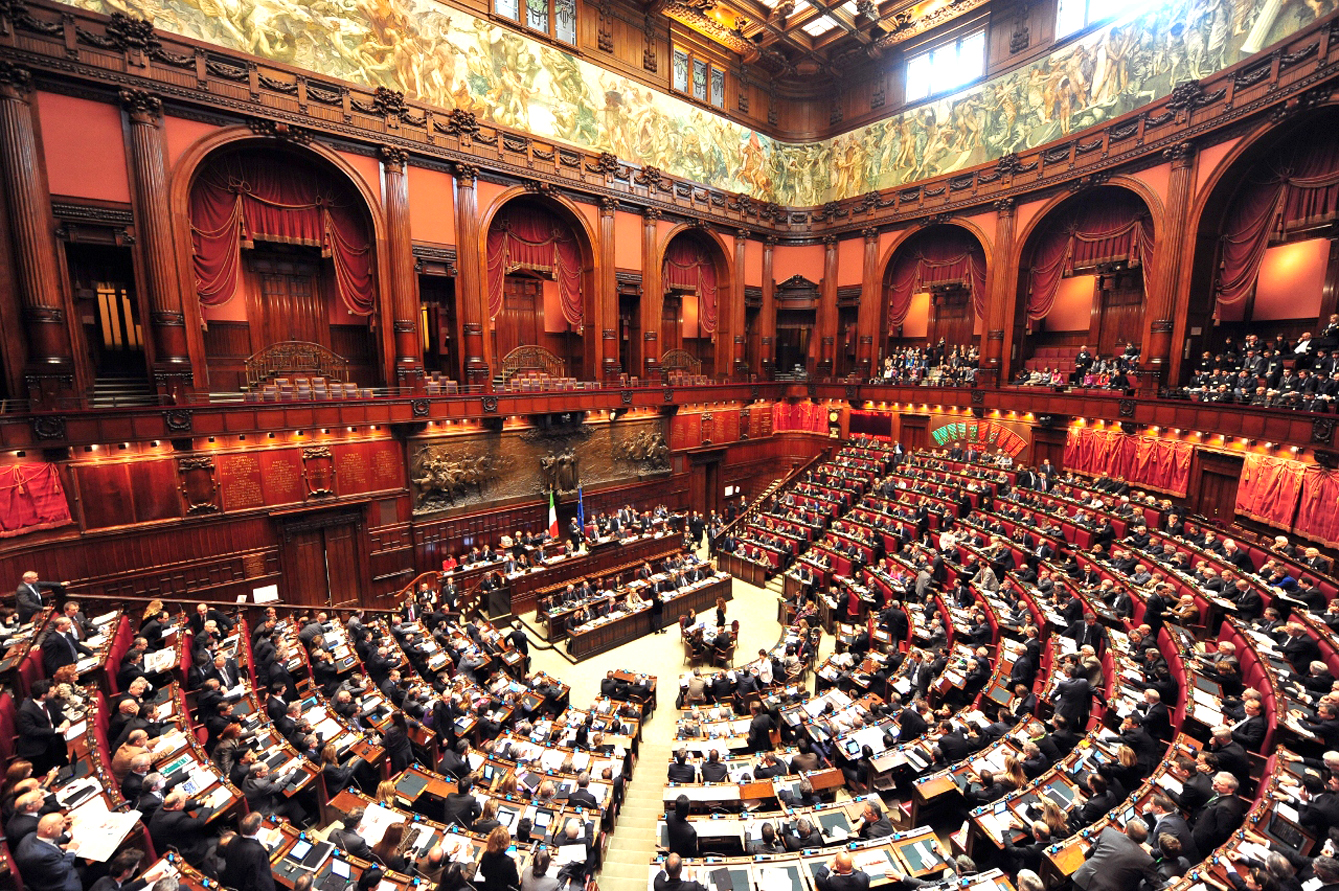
1122 312
671 323
341 562
1215 485
521 321
291 305
306 577
324 560
914 435
953 319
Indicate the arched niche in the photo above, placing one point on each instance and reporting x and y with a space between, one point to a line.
934 288
282 245
539 287
1265 249
695 304
1084 266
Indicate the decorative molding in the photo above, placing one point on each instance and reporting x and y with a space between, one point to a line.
1322 431
489 404
179 420
48 427
142 106
419 408
394 157
1125 408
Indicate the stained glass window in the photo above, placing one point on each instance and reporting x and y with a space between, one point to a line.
680 70
700 80
565 20
537 15
718 88
507 8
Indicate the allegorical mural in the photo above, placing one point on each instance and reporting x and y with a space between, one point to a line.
448 58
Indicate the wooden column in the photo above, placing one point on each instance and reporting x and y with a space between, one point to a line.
403 289
871 300
741 364
1160 293
767 315
45 303
170 357
827 310
608 293
470 298
1001 299
653 295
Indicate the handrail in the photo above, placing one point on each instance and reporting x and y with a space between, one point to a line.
753 508
294 357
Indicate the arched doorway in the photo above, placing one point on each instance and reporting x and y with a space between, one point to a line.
283 261
695 306
539 291
1081 280
1266 254
934 291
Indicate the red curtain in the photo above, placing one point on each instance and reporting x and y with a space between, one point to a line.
31 498
1094 233
243 196
527 238
689 267
805 417
1296 188
948 256
1139 460
1318 511
1269 489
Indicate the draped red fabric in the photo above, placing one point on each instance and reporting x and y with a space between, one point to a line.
1091 234
688 267
1139 460
946 256
1295 188
1318 509
805 417
31 498
531 239
242 197
1269 489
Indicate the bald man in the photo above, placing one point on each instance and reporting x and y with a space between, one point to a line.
840 875
675 878
43 861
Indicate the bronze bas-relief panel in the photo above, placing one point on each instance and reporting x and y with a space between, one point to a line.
486 467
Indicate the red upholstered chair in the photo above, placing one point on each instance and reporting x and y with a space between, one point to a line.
8 712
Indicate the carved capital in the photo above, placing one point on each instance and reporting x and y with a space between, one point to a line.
870 234
769 241
651 214
608 205
15 82
830 241
143 107
1180 154
742 234
1005 207
466 174
395 158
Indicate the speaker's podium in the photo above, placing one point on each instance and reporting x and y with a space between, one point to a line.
499 603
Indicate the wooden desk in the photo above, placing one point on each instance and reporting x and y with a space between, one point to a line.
589 640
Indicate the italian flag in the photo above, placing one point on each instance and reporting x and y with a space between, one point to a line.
553 517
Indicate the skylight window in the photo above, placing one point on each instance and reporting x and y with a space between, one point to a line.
819 26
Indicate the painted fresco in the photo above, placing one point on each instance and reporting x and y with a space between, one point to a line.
448 58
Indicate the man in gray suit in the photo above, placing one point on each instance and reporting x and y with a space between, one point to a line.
1118 861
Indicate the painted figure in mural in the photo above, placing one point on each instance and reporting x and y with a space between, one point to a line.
459 60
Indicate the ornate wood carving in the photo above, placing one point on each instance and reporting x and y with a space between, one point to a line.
199 489
532 358
318 472
294 357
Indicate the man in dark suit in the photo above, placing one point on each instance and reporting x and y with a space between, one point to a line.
346 837
1101 799
43 861
672 877
714 771
1088 633
1230 753
27 814
461 807
1299 648
842 875
172 825
1073 698
1222 814
582 796
682 835
1156 718
265 793
1164 819
60 647
29 598
1196 784
41 739
1117 862
121 873
204 614
247 861
680 771
760 729
1250 731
